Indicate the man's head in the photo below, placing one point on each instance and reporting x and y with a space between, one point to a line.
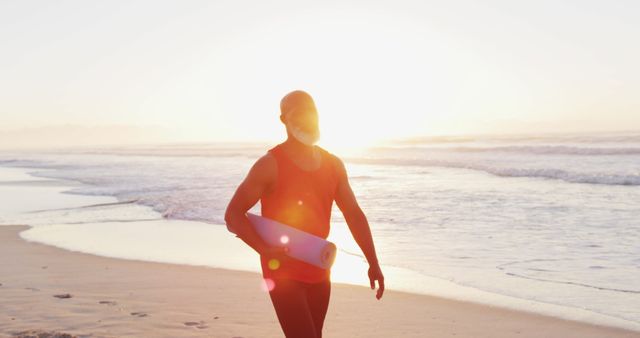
299 115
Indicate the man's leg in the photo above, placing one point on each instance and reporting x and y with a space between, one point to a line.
289 299
318 295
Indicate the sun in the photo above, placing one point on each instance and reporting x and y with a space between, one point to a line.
349 135
346 142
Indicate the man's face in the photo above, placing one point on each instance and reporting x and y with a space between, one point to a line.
303 125
304 119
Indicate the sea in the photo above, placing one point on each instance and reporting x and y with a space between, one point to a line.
547 222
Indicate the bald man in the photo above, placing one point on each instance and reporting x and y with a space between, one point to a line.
297 182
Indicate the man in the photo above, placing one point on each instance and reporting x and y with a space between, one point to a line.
297 183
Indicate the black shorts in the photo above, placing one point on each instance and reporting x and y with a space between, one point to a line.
301 307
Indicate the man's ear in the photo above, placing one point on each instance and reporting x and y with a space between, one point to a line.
282 119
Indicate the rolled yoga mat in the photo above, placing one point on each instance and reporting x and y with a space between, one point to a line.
302 245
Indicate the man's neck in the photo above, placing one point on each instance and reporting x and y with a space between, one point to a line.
297 147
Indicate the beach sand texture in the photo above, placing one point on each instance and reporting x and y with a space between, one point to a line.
48 289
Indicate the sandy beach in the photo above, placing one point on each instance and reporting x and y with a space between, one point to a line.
47 289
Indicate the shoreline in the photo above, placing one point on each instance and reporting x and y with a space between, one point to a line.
113 297
437 288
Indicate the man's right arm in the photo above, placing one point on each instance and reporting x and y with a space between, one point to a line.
258 180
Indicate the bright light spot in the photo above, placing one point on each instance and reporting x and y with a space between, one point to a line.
268 284
274 264
299 202
284 239
347 268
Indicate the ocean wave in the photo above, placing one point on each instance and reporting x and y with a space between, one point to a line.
520 149
506 266
510 171
163 150
555 149
597 137
573 177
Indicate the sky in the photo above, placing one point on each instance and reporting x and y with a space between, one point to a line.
208 71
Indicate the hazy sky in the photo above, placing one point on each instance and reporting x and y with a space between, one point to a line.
216 70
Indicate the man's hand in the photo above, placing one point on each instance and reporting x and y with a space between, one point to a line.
376 274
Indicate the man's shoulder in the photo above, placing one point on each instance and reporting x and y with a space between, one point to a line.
266 162
334 159
265 168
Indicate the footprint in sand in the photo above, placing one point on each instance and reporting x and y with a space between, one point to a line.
139 314
108 302
200 325
63 295
43 334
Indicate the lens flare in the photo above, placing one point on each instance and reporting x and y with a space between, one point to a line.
284 239
268 284
274 264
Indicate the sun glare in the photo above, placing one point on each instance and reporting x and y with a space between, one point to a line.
347 143
348 135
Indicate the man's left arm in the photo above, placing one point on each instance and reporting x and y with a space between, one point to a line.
358 225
